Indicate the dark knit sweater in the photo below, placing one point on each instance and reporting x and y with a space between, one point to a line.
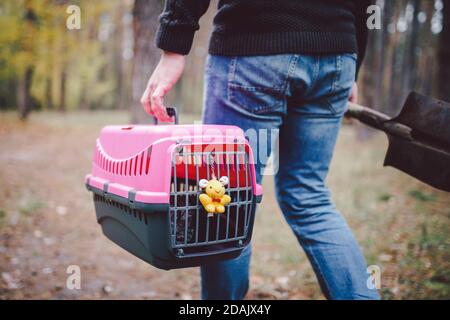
263 27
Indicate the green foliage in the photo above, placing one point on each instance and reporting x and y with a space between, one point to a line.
422 196
385 197
35 35
30 206
426 262
2 216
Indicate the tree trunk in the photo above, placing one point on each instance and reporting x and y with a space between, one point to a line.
62 93
48 93
444 54
24 102
146 55
119 63
415 44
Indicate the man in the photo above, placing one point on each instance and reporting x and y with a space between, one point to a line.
289 65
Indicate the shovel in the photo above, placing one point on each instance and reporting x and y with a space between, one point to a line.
419 138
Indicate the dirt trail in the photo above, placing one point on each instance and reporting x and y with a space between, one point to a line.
44 168
47 223
50 222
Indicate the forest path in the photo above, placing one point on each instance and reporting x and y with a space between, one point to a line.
47 221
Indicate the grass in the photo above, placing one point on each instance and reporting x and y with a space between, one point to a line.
401 224
422 196
2 216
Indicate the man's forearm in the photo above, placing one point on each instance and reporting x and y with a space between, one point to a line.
178 24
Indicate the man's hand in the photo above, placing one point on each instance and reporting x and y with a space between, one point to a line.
354 94
354 99
166 74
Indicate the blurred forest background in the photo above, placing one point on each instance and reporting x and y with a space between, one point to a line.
106 64
67 84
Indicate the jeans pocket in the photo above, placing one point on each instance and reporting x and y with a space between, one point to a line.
343 82
256 100
258 83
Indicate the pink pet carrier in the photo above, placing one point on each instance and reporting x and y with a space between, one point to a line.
145 184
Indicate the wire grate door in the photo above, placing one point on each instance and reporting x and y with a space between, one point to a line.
192 230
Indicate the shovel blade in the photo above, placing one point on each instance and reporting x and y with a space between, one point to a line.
428 118
428 164
419 138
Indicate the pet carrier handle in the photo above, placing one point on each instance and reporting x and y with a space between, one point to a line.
171 112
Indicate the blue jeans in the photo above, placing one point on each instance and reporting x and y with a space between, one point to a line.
304 97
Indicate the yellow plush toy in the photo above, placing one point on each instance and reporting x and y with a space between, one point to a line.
214 199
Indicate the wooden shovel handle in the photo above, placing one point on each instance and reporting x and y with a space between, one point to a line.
378 120
368 116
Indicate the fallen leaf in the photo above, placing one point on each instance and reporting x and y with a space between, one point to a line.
61 210
11 283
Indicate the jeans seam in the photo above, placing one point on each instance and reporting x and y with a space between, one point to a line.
315 74
316 70
231 75
338 73
256 88
291 69
334 85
